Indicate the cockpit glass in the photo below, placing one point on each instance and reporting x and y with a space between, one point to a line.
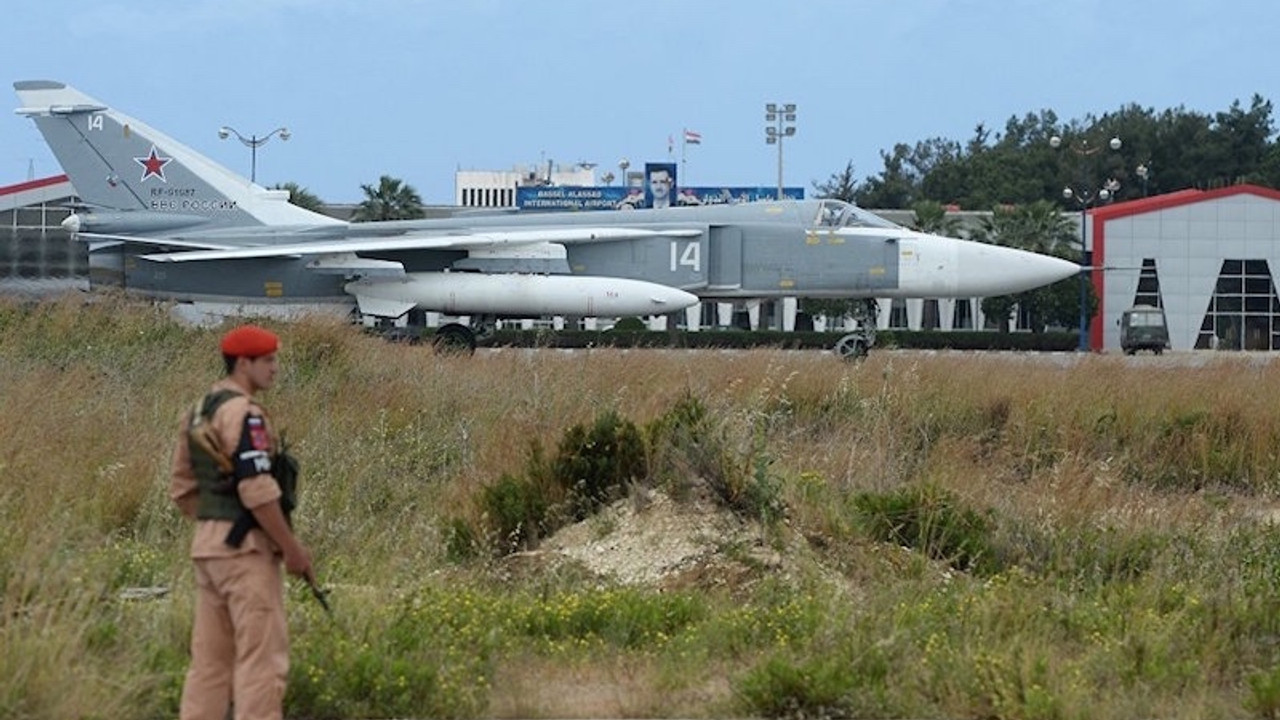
840 214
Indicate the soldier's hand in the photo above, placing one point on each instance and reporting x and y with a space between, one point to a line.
297 561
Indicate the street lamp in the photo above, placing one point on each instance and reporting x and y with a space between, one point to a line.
623 164
1087 198
253 141
783 119
1144 173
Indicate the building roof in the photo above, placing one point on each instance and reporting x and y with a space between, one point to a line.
34 192
32 184
1176 199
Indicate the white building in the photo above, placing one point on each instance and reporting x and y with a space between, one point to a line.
1205 257
497 188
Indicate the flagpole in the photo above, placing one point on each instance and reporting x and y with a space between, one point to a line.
684 143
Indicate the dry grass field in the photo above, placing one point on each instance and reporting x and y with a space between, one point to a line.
781 534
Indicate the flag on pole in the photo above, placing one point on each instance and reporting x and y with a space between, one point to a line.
692 138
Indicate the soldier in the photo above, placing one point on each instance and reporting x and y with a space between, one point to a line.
223 478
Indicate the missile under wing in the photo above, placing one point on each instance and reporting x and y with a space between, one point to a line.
190 230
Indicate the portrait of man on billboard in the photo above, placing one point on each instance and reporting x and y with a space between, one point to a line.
659 184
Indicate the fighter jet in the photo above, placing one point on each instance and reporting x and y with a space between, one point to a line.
187 229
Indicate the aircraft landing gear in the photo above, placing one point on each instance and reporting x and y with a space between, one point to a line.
857 344
454 338
852 347
458 338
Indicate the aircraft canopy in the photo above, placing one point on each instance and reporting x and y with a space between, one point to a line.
840 214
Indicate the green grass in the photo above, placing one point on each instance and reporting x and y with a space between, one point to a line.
972 536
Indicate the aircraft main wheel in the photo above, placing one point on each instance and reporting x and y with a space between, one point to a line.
851 347
455 338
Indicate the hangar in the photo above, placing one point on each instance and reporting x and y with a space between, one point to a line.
1207 257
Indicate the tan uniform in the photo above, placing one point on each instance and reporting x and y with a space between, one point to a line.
239 642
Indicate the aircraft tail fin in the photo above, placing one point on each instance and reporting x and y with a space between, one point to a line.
116 162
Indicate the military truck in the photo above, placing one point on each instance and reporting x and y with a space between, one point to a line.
1142 327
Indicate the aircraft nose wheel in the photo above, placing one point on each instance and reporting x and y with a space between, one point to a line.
851 347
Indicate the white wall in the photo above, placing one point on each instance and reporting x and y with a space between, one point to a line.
1189 244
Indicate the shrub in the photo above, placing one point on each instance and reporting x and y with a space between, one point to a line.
595 465
842 684
687 443
1264 694
517 511
679 445
592 466
932 521
460 541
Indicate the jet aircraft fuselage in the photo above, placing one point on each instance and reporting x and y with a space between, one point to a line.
761 250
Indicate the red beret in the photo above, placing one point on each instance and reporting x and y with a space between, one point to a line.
250 341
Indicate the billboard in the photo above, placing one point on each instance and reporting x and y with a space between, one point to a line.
581 197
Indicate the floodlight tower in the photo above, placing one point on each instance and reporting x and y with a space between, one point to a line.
782 124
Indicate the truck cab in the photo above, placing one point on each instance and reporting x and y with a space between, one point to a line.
1142 327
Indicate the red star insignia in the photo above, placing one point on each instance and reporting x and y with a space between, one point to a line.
153 164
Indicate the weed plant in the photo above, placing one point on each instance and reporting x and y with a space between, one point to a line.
995 536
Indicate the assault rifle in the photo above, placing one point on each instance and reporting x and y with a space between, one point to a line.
284 468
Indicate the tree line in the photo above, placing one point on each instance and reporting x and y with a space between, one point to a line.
1179 148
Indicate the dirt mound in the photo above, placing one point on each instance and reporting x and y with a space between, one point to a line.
652 540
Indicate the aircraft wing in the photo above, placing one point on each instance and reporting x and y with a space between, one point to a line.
486 240
159 242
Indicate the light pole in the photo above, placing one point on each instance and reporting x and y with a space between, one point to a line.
253 141
1144 173
782 119
623 164
1086 198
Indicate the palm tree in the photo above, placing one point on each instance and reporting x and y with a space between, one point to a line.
931 217
301 196
391 200
1041 228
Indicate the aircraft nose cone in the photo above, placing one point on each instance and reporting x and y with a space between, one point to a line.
994 270
71 224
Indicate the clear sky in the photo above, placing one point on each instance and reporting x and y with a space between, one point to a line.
418 89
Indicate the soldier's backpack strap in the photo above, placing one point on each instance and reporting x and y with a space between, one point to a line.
215 400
